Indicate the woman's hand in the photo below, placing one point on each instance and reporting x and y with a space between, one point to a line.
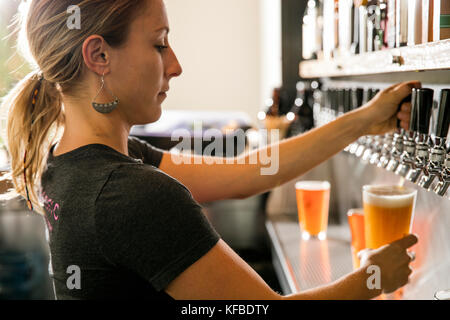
380 115
393 260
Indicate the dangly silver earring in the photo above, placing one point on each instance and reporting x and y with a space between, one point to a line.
105 107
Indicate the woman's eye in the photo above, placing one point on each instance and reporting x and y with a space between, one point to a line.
161 48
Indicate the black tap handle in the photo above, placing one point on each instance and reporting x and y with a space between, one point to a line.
341 100
424 108
347 100
325 98
407 99
413 119
328 99
357 98
443 121
371 93
334 100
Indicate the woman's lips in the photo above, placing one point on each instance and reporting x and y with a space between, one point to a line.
162 95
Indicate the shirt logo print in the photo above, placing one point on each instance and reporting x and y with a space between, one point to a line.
52 208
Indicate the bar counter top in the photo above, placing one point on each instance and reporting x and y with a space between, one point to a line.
305 264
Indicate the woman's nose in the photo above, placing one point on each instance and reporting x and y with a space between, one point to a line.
174 68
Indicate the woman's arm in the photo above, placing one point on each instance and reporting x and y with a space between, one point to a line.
290 158
222 274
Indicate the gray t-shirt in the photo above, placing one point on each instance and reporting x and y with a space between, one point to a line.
129 228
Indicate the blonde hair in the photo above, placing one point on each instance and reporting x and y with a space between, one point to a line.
35 110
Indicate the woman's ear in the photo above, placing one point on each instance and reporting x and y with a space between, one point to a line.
94 55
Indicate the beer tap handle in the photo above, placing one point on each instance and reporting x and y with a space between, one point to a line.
413 119
357 98
325 98
368 95
341 100
335 101
424 108
371 93
443 121
348 100
330 99
407 99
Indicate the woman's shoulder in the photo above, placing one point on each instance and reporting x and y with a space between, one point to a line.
143 150
142 173
142 182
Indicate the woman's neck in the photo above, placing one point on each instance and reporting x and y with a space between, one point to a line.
78 134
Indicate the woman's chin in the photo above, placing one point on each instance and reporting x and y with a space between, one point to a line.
154 115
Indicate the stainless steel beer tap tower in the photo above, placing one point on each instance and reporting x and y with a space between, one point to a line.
413 154
413 160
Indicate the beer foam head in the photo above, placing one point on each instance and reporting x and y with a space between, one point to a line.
312 185
388 196
355 211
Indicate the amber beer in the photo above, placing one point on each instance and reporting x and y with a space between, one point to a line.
356 223
388 212
313 199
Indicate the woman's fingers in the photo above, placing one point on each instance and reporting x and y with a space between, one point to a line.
406 107
404 116
405 86
403 90
404 125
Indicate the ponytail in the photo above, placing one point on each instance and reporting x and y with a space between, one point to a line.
34 119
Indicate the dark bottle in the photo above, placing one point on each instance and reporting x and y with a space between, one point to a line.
341 101
274 108
302 111
348 100
357 98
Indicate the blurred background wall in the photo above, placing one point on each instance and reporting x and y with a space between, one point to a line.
230 52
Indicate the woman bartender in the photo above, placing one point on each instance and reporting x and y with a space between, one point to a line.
136 231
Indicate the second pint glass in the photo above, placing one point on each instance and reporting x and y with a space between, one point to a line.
313 198
356 223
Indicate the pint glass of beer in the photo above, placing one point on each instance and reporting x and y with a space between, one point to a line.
313 200
356 223
388 212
